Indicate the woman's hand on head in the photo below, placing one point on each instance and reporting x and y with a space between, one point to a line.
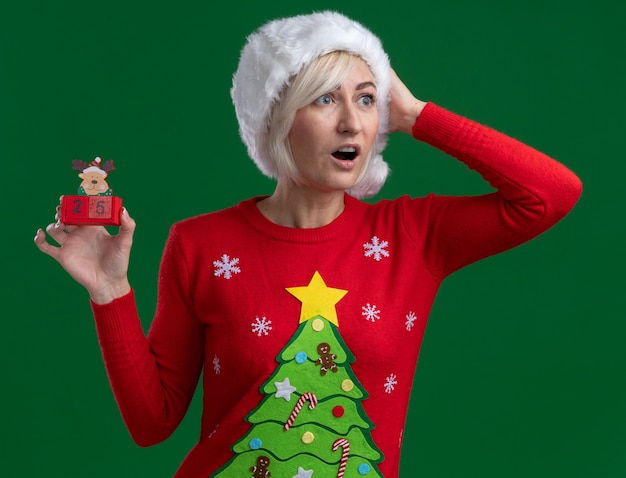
404 108
94 258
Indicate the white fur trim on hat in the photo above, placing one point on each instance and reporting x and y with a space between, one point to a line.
280 49
94 167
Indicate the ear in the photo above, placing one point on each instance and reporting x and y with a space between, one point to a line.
81 176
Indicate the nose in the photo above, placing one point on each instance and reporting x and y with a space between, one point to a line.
93 181
349 119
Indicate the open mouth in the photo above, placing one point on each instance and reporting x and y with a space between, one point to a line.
347 153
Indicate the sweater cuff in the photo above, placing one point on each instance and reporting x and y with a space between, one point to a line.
116 319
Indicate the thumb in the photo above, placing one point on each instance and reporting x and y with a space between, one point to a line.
127 224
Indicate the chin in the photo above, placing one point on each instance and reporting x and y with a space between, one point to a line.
340 186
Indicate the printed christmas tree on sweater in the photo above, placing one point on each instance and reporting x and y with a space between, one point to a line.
311 422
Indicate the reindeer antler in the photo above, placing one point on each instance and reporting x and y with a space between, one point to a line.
108 166
78 165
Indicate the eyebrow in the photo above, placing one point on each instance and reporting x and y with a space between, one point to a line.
362 86
365 84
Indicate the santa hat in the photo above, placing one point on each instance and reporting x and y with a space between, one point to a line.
280 49
94 167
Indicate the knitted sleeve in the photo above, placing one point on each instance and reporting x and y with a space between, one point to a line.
153 378
534 192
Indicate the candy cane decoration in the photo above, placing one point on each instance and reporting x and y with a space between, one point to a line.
345 451
303 398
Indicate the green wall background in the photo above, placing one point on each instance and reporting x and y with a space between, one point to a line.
522 369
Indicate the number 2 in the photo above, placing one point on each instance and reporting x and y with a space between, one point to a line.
77 205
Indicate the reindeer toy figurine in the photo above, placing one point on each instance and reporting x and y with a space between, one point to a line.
94 203
94 177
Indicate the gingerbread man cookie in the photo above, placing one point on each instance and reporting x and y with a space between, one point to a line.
326 360
260 469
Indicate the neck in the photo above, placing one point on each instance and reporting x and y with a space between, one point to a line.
294 206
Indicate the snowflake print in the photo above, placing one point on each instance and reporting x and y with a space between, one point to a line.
376 248
226 267
261 326
370 312
217 368
390 383
410 320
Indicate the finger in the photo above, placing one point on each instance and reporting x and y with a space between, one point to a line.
69 229
64 227
56 231
43 245
127 223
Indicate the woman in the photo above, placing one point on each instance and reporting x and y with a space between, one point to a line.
306 309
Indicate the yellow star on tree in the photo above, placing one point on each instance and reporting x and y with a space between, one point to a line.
318 299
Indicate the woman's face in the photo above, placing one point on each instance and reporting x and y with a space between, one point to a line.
331 138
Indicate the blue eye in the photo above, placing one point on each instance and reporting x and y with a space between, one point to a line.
324 100
367 100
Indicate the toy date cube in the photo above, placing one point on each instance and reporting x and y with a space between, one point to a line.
92 210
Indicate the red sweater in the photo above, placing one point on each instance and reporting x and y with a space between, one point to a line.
241 297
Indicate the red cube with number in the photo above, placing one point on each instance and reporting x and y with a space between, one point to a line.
93 210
